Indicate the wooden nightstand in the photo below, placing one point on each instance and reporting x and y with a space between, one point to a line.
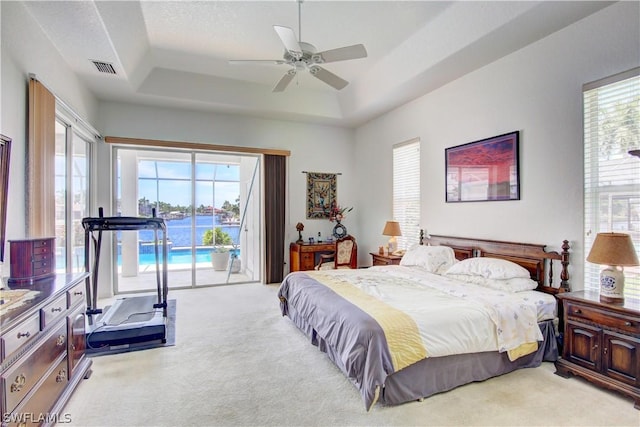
602 342
385 259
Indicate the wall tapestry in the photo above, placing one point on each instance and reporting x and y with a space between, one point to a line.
321 194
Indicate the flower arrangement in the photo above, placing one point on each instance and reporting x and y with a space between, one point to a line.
337 213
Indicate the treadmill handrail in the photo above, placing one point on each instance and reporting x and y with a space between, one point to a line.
124 223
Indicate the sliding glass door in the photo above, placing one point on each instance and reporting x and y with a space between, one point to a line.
209 207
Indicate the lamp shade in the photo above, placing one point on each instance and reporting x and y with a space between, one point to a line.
392 228
613 249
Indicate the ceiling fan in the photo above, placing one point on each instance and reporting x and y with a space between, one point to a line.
301 56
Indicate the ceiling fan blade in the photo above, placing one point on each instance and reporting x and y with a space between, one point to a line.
257 61
340 54
328 77
284 81
289 40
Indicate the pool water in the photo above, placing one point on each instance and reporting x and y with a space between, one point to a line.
178 256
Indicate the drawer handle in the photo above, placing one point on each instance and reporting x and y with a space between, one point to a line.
62 376
25 335
60 341
19 382
627 323
78 293
54 309
577 311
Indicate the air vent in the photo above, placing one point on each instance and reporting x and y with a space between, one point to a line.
104 67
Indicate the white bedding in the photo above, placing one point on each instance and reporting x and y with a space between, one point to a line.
448 315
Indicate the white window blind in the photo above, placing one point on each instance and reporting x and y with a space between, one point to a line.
611 174
406 191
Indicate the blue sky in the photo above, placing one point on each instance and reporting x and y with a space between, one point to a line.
174 185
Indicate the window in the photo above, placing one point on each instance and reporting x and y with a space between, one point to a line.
202 196
72 185
406 191
611 174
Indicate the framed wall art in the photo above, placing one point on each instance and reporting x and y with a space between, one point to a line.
321 194
484 170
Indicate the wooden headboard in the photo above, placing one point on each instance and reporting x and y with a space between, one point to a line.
532 257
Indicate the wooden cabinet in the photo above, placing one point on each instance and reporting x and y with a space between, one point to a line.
31 260
42 349
305 256
602 342
385 259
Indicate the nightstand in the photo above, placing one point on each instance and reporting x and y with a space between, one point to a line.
385 259
602 342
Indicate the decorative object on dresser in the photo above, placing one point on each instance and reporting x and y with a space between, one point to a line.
392 229
602 342
31 260
299 228
42 349
345 255
382 259
5 152
337 214
483 170
614 250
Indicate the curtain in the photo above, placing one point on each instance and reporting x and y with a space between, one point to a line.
275 186
41 213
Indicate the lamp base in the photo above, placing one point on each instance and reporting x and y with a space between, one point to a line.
392 245
612 285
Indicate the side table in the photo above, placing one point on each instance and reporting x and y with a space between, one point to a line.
378 259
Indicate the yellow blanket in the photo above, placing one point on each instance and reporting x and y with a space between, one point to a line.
401 331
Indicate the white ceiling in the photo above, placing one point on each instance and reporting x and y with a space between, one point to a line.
175 53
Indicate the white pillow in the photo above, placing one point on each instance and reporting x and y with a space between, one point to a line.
489 268
517 284
434 259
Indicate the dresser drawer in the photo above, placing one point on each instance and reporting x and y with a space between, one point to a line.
17 337
24 374
36 409
53 311
609 319
75 295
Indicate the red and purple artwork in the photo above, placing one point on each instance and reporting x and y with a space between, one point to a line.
483 170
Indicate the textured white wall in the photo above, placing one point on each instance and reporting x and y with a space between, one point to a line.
538 91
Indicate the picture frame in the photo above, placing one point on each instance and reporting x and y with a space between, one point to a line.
483 170
5 151
321 194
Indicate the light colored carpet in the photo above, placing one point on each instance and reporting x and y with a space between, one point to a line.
237 361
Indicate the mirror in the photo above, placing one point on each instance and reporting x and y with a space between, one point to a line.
5 148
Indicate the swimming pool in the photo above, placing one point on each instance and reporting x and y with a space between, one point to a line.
178 256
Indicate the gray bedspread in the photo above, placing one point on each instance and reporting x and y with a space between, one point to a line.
356 343
354 340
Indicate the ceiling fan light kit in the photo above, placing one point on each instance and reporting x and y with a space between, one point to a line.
301 56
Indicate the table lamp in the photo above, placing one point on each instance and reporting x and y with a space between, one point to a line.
392 228
614 250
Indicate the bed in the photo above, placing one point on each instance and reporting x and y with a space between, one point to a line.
456 310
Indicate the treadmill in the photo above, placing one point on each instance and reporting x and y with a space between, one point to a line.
130 322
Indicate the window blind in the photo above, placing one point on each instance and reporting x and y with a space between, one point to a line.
611 174
406 191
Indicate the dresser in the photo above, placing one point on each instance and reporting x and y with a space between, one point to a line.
601 342
305 256
42 349
31 260
380 259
